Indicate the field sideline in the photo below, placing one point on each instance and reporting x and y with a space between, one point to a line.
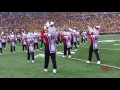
16 66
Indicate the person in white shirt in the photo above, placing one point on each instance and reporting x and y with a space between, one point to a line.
30 47
36 38
12 42
78 38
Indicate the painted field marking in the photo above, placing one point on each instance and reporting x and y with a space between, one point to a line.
116 44
43 56
103 48
105 41
40 55
61 52
93 62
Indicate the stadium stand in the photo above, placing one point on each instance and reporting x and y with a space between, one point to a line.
30 21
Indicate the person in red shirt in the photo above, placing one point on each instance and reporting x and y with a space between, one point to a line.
93 36
50 47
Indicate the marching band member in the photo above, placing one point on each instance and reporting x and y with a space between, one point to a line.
75 39
50 46
4 41
30 47
83 37
78 38
19 37
67 43
12 42
8 38
64 41
24 44
93 36
0 45
36 37
71 31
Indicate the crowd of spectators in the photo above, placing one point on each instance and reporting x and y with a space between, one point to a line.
30 21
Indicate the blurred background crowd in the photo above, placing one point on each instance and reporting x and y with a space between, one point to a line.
34 21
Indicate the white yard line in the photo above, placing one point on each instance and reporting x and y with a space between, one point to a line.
103 48
109 49
106 41
94 63
116 44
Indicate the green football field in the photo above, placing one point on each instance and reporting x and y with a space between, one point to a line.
16 65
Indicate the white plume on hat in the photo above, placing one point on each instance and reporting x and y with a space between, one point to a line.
97 26
74 31
12 36
75 27
35 33
24 34
51 23
12 32
70 29
2 32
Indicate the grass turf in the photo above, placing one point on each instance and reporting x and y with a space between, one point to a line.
16 66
